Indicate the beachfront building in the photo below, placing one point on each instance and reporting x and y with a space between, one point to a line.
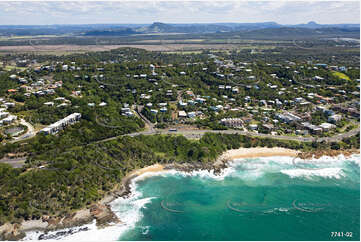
61 124
232 122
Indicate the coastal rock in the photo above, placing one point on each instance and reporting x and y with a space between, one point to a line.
324 152
11 232
103 215
57 235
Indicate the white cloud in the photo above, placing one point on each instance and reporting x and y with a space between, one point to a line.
80 12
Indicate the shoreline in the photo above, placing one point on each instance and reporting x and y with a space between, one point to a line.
255 152
101 211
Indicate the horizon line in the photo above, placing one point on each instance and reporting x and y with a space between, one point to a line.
181 23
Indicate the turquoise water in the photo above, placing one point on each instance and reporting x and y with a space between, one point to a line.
274 198
256 199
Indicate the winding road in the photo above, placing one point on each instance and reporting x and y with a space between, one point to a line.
29 133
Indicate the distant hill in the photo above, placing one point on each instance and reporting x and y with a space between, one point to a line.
300 33
314 25
111 32
273 28
158 27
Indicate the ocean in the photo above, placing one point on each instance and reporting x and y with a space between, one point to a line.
273 198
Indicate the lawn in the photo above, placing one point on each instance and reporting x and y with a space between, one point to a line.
341 75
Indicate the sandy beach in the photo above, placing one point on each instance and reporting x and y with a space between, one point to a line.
257 152
152 168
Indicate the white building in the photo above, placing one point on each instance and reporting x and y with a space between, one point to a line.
9 119
61 124
182 114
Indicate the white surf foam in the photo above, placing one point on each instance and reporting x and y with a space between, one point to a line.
327 167
128 210
92 234
336 173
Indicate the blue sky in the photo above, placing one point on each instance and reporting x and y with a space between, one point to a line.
91 12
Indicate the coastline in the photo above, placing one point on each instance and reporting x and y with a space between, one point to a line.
101 211
257 152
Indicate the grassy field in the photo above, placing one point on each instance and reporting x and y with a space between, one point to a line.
183 52
341 75
9 68
26 37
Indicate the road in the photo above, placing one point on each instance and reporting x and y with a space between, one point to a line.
197 133
29 133
146 121
14 162
194 134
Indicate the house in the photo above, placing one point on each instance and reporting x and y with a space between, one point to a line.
298 99
182 114
334 118
327 126
301 132
9 119
60 99
9 104
49 104
253 126
3 114
128 114
182 104
154 111
313 128
191 114
268 127
232 122
200 100
123 110
342 68
216 108
325 110
62 105
288 117
13 76
162 104
23 80
318 78
262 103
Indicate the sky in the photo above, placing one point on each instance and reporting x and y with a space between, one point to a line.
171 11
